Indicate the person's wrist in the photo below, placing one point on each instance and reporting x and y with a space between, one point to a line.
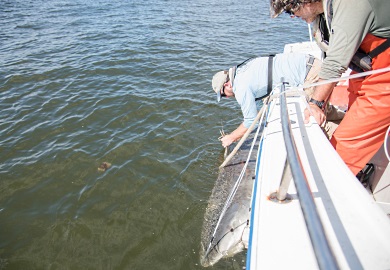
318 104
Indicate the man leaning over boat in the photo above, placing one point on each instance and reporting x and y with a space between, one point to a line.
251 81
356 30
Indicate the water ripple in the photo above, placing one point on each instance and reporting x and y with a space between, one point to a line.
126 82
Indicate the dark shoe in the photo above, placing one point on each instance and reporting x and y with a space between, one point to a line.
364 175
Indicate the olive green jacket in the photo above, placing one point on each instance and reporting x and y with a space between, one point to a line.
352 20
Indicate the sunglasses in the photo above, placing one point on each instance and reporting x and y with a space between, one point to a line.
291 9
223 92
290 12
223 88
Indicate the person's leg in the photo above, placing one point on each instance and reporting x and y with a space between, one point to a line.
363 129
312 76
364 126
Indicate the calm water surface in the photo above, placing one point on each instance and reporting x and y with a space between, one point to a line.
124 82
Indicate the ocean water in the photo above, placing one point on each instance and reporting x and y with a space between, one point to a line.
126 82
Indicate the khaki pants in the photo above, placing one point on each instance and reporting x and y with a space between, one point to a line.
333 114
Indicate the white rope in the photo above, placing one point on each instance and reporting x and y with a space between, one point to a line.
385 144
310 35
357 75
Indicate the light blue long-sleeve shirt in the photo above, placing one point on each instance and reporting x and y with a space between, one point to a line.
251 79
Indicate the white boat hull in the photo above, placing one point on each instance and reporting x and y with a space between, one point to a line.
357 229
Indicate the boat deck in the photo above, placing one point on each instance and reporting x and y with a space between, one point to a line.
357 229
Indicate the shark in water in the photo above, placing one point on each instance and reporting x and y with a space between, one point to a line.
226 224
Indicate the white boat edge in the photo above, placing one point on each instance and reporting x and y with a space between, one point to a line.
356 226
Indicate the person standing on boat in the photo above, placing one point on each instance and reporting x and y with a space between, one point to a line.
248 82
353 26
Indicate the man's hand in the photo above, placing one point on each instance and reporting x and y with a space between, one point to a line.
232 137
227 140
321 92
318 114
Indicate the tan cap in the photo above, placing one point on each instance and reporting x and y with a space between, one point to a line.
218 81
